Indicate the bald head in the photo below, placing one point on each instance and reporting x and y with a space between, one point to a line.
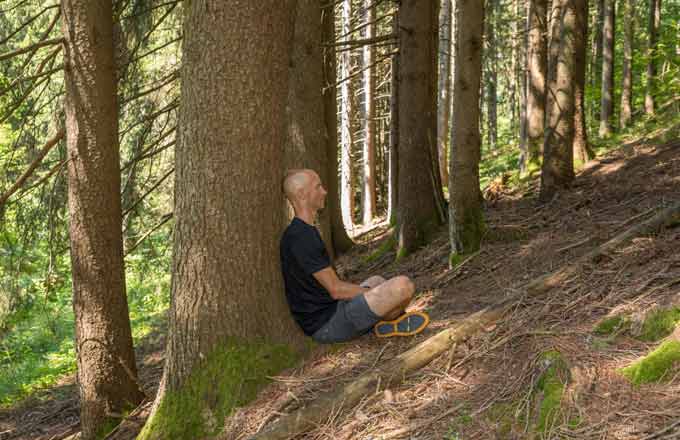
296 181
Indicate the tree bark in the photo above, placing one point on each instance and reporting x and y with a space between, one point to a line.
582 151
346 112
627 77
558 163
653 31
229 322
466 219
393 178
107 374
341 241
444 95
368 194
418 209
596 54
537 64
491 77
607 101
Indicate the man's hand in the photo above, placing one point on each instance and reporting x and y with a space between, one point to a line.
337 288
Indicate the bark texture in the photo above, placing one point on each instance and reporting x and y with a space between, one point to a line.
341 241
627 76
444 95
607 97
346 113
106 364
227 292
557 170
368 194
466 221
418 177
653 31
393 165
491 76
582 151
537 64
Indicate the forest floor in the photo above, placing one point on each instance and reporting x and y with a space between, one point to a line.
547 370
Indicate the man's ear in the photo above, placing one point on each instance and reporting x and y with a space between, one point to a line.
301 194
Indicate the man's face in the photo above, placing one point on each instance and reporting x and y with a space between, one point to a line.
316 193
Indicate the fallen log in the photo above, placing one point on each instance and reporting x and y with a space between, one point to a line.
417 357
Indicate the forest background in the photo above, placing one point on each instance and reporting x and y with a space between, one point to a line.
37 321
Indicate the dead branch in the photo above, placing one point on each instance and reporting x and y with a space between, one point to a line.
153 187
37 45
27 22
21 180
417 357
163 221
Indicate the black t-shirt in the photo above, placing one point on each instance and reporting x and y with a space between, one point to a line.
302 254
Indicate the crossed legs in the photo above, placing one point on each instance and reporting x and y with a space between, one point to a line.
388 298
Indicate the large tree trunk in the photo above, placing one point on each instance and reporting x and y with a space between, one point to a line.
107 373
346 112
444 95
582 151
537 63
466 218
305 145
418 190
627 80
491 76
558 164
607 99
229 323
341 241
393 166
653 31
368 194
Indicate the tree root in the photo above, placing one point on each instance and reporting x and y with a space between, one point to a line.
417 357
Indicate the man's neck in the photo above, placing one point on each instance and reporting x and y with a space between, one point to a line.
306 215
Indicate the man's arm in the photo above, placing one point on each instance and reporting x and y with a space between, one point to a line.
337 288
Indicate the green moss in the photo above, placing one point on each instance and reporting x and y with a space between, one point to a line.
551 385
401 253
654 366
469 234
229 377
385 247
611 325
455 259
659 324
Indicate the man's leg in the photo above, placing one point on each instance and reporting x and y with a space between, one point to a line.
390 298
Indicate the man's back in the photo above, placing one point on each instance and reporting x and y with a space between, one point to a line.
303 253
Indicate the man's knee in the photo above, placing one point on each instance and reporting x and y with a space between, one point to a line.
405 287
373 281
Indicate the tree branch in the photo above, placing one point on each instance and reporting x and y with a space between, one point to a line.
37 45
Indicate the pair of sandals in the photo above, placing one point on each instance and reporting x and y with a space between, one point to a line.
408 324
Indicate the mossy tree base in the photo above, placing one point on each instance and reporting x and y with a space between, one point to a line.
655 366
411 237
229 377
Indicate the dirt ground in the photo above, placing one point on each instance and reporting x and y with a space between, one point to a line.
488 387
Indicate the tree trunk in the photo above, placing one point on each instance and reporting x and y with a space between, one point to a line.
627 80
305 144
491 76
418 190
558 164
444 95
607 102
653 31
341 241
368 194
537 63
466 219
346 112
393 179
582 151
107 375
229 324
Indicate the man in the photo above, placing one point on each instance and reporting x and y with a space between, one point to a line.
327 308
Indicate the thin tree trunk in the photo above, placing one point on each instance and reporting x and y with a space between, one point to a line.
419 209
653 31
444 95
596 55
627 80
466 219
368 194
582 151
537 63
341 241
346 112
229 326
491 76
393 179
607 101
558 164
107 375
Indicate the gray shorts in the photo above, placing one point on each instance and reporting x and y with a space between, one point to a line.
352 319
